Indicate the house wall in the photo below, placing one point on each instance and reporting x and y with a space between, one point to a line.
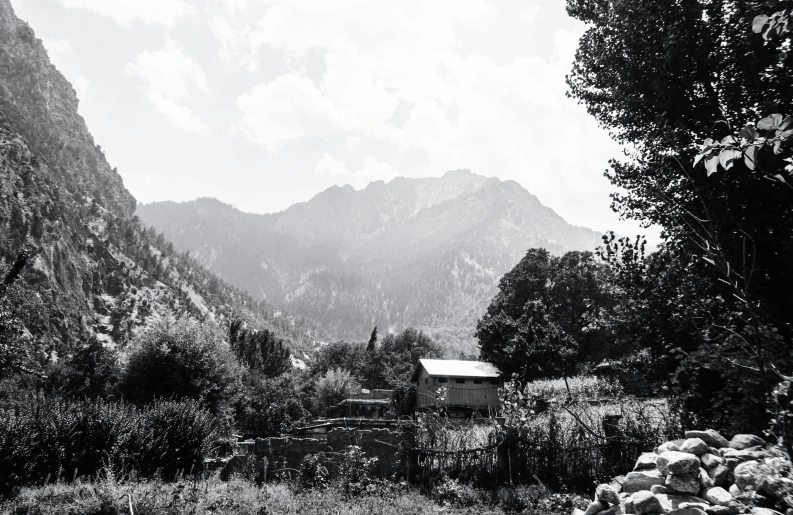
463 394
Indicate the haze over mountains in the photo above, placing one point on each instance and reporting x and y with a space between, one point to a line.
410 252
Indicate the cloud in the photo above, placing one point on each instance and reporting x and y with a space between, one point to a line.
169 74
57 46
128 12
288 108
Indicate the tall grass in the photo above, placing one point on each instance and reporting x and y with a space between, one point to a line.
47 439
581 387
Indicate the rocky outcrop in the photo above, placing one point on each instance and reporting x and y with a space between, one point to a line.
703 474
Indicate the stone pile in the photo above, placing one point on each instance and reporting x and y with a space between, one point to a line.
704 474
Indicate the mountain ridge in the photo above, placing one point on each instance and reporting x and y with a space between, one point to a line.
426 252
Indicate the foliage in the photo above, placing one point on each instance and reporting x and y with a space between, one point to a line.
180 358
16 312
91 372
584 387
355 472
47 438
547 316
335 386
259 350
401 352
271 406
313 474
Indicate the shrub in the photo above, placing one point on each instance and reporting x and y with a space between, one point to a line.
313 474
49 438
335 386
181 358
355 472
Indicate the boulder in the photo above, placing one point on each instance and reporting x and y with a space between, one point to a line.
734 490
741 442
627 505
718 495
718 475
764 511
673 502
682 483
710 460
658 489
674 462
607 495
595 507
705 482
750 474
646 461
642 480
687 511
694 446
576 511
646 503
776 487
744 454
710 437
666 447
613 510
717 510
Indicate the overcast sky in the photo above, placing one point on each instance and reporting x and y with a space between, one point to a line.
264 103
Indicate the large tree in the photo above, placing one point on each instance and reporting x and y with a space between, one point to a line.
547 316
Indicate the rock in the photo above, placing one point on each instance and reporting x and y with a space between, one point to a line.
717 510
734 490
764 511
674 462
749 475
595 507
666 447
718 475
694 446
682 484
607 495
616 486
710 437
576 511
642 480
674 502
687 511
710 461
646 503
705 481
624 495
658 489
627 505
614 510
741 442
775 487
732 456
718 495
646 461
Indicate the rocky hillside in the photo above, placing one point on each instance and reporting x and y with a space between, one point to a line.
421 252
94 270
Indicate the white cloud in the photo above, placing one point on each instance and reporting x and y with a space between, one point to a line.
169 74
81 86
57 46
287 109
127 12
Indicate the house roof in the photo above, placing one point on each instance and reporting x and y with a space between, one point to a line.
364 401
457 368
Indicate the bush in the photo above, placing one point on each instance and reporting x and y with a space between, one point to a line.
51 438
313 474
181 358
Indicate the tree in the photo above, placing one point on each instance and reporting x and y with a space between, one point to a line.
181 358
259 350
270 406
547 316
91 372
335 386
401 353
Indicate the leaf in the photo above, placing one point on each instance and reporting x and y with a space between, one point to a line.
750 156
759 22
786 123
770 122
729 140
728 156
697 160
749 133
712 164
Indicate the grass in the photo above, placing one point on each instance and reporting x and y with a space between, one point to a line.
581 387
108 496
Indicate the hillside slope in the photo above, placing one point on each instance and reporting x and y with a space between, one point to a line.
94 270
410 252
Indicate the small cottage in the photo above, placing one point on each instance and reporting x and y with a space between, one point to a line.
471 386
364 404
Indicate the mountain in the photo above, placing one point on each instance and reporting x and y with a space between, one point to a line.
94 269
411 252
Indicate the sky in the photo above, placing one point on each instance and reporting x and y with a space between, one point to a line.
265 103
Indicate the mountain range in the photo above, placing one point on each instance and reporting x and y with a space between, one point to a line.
426 252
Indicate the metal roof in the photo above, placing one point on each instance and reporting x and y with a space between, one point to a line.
458 368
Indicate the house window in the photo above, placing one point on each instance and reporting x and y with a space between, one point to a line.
443 380
495 381
459 381
426 380
477 381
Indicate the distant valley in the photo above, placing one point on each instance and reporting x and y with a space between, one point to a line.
411 252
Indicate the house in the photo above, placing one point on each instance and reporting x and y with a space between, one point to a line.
365 404
471 386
